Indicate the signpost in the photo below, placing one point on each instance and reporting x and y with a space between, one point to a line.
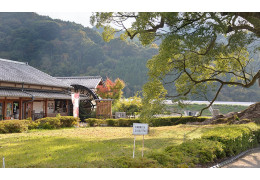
3 162
139 129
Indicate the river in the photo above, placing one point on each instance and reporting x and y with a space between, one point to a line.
215 103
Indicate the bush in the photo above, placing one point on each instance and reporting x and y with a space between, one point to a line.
155 122
129 162
170 121
33 125
49 123
68 121
13 126
236 138
94 122
190 153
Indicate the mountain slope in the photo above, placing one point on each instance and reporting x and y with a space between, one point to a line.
68 49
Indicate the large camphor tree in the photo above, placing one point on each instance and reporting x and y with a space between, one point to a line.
199 52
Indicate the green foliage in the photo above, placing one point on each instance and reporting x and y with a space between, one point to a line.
13 126
33 125
171 121
154 93
131 106
199 53
154 122
191 153
56 122
49 123
68 121
94 122
235 138
129 162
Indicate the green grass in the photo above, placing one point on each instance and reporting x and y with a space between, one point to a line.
86 147
224 109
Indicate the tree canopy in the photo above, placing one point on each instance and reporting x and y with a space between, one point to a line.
111 90
199 52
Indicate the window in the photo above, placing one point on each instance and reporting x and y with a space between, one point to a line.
60 106
9 110
16 110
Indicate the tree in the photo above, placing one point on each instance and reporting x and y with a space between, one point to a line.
111 90
131 105
200 52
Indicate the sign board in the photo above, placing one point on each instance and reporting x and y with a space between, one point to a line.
140 129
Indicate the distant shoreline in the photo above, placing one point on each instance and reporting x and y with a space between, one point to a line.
215 103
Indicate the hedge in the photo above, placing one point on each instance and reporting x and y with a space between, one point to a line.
49 123
190 153
56 122
13 126
18 126
155 122
235 138
68 121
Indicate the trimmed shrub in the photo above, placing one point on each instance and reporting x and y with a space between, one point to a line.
13 126
155 122
33 125
236 138
170 121
190 153
49 123
68 121
94 122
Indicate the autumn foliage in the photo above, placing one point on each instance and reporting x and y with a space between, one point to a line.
111 90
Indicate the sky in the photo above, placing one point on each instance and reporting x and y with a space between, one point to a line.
77 17
79 11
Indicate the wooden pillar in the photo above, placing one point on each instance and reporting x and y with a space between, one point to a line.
110 108
46 108
4 113
20 108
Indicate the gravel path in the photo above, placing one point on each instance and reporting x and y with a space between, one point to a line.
250 160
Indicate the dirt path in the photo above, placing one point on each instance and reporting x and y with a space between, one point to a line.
250 160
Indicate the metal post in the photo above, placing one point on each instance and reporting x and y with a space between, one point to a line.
134 148
3 162
143 147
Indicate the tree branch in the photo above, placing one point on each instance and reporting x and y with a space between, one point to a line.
212 100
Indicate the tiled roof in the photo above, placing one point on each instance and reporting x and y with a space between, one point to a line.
90 82
20 72
36 94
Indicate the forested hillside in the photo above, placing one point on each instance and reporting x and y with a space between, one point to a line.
68 49
62 48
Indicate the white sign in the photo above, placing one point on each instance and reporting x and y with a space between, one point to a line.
140 129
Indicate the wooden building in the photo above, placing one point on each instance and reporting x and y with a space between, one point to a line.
26 92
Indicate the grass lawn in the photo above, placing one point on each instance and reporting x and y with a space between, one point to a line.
86 147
